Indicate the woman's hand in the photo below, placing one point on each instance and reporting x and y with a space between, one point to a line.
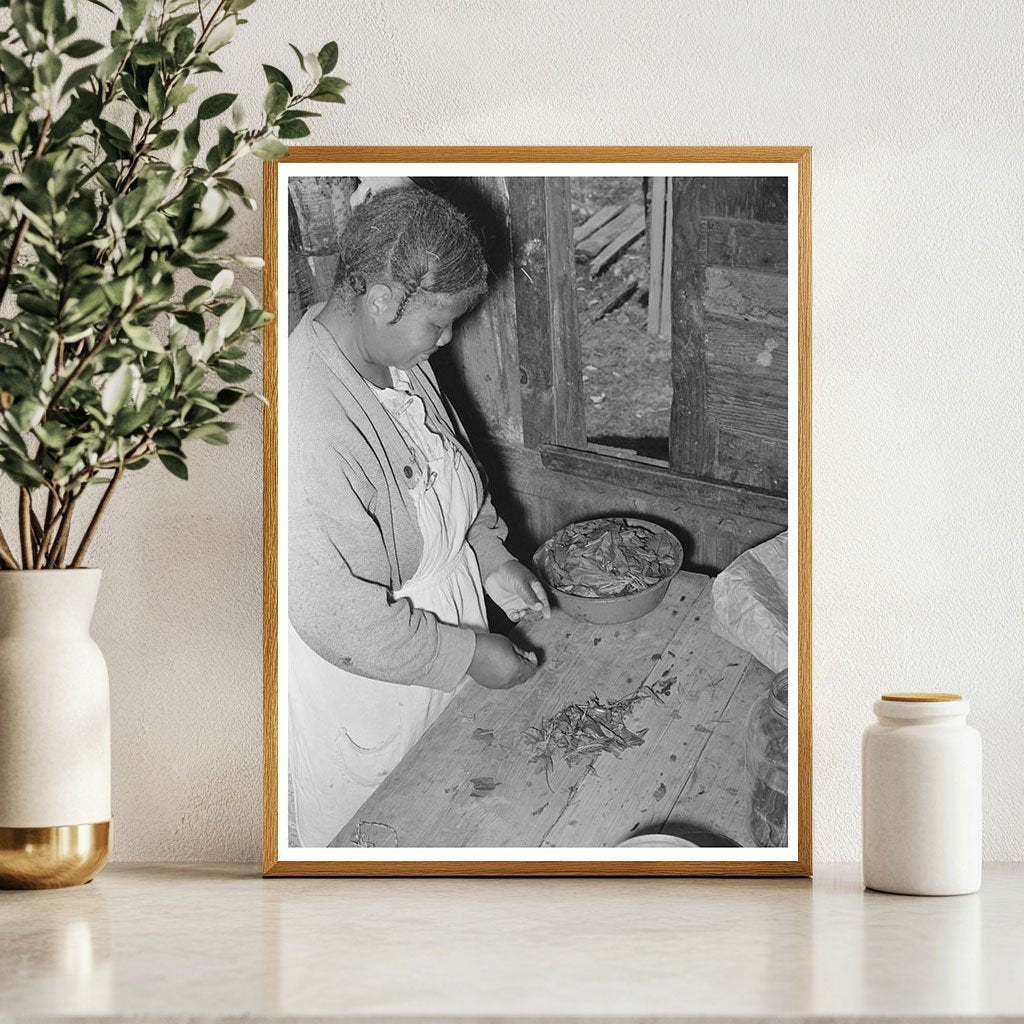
517 592
498 664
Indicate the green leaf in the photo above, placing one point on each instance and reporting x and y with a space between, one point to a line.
227 397
78 222
184 44
175 465
275 76
163 139
221 35
185 147
21 471
38 305
119 291
328 57
144 338
211 433
49 68
211 208
109 65
149 53
16 70
53 435
116 133
129 421
11 443
129 207
193 379
156 101
293 130
53 15
232 319
164 376
232 373
195 296
26 414
25 17
133 12
222 281
65 29
326 96
12 356
276 99
116 390
310 65
78 78
181 94
337 85
214 105
269 149
83 48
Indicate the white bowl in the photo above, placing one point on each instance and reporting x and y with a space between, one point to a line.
656 839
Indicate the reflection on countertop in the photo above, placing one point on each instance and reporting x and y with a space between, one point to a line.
217 940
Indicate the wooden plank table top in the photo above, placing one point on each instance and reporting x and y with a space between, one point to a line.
687 775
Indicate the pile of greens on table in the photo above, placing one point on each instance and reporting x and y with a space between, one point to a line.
606 558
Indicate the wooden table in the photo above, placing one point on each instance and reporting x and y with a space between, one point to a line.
688 774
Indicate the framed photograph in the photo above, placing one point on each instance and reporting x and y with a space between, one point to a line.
538 511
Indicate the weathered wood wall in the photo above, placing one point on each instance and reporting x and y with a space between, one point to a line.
729 358
318 209
480 370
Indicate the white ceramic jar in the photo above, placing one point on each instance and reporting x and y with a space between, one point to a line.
921 777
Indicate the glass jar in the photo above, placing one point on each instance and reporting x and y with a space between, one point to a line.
767 759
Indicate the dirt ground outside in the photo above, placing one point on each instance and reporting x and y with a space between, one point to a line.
627 378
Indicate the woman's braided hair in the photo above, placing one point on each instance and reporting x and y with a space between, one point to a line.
411 238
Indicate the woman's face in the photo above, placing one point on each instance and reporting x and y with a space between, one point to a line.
424 327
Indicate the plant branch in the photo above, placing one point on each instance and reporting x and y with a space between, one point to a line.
87 357
51 523
22 228
94 523
37 529
60 543
12 255
6 554
25 522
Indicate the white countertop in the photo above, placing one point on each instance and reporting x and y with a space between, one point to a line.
179 941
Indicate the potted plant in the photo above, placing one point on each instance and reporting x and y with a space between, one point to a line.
122 343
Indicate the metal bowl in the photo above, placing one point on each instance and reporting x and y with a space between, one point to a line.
607 610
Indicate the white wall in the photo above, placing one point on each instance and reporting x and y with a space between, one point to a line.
914 113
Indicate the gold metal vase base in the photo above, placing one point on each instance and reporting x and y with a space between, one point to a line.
54 857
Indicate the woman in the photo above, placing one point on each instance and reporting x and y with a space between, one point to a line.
392 541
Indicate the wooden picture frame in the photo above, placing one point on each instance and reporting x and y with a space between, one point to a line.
538 434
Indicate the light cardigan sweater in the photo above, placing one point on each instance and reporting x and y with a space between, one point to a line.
353 536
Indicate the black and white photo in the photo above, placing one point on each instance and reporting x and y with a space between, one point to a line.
537 430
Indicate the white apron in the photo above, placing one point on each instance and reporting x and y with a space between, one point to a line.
347 732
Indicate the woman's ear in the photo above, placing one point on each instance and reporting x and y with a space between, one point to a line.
379 300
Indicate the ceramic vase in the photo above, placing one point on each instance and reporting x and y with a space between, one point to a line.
54 731
921 770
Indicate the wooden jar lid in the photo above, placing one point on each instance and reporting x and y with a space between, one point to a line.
921 698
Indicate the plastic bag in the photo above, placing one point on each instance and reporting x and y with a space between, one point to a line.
751 602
